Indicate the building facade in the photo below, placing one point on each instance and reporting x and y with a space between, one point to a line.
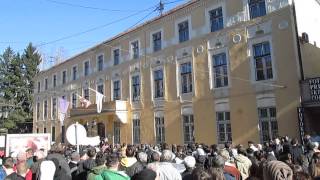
208 71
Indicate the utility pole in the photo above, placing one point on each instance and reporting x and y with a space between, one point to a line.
160 7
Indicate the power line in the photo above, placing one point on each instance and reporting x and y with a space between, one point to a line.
93 8
142 18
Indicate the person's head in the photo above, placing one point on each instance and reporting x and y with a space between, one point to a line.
113 161
29 153
224 154
189 162
200 174
22 169
250 152
146 174
301 176
179 149
227 145
8 163
277 141
22 156
75 157
155 157
217 173
242 151
294 142
166 156
91 152
165 146
130 151
217 162
39 155
100 159
57 148
250 143
143 157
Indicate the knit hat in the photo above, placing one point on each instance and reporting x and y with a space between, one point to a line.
47 169
277 170
189 161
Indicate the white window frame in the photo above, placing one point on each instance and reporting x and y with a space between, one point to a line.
97 61
116 125
176 25
136 116
251 43
207 15
45 117
77 74
246 8
159 114
178 75
66 76
52 108
187 110
113 80
131 49
161 67
84 67
131 86
151 39
211 70
222 105
55 74
112 55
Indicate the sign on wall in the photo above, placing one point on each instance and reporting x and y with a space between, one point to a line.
310 89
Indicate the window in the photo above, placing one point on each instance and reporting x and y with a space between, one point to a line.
268 123
160 131
135 88
183 28
116 57
37 130
136 131
39 87
216 19
135 49
86 68
158 83
100 88
220 70
223 127
53 133
54 108
45 109
257 8
38 111
46 84
188 129
64 77
156 39
74 100
54 81
186 77
100 63
74 73
44 130
262 61
116 90
86 94
116 132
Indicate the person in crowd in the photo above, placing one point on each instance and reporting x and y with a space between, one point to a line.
146 174
190 163
296 151
29 157
35 168
91 161
73 164
315 166
166 170
57 156
243 163
47 170
201 174
129 163
180 154
100 166
143 159
113 169
229 167
277 170
8 165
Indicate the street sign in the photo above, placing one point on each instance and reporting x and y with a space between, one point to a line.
76 133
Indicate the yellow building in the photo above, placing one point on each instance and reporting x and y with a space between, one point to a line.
208 71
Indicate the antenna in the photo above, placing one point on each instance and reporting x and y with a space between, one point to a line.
160 7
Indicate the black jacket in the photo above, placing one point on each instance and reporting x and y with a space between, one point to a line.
296 153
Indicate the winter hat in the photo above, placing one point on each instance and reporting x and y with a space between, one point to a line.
189 161
277 170
47 170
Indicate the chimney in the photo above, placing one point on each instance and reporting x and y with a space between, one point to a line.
305 37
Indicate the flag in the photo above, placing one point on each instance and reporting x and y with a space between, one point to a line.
84 102
63 108
99 98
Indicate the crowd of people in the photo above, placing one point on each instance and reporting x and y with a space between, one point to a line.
281 158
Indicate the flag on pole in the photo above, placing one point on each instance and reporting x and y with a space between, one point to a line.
63 108
99 98
84 102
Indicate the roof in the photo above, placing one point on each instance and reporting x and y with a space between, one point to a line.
138 27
